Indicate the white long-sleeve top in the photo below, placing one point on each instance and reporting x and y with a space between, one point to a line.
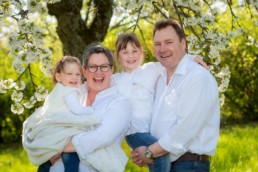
139 86
186 114
47 130
114 111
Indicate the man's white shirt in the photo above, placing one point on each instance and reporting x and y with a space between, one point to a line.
186 112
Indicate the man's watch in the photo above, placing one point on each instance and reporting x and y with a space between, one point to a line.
148 154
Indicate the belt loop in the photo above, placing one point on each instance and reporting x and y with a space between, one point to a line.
199 157
202 158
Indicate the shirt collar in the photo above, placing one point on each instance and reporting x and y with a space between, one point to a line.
181 68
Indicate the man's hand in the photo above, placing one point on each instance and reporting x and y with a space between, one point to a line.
139 158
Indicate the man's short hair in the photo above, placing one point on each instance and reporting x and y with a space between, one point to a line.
169 22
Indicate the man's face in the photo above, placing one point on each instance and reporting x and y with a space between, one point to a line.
168 48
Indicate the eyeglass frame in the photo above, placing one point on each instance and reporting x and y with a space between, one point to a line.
99 67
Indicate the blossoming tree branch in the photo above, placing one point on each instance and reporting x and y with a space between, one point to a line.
92 20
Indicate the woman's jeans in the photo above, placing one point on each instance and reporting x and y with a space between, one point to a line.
162 163
45 167
190 166
71 163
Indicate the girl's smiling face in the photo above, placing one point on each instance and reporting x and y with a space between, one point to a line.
130 58
70 75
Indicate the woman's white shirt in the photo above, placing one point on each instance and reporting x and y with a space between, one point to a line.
114 111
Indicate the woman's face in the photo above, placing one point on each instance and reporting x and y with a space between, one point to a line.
130 58
101 78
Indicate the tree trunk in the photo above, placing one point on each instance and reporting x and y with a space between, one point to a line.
72 29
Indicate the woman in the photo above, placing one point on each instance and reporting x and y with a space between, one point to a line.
113 109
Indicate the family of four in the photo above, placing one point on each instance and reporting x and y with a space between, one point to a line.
168 111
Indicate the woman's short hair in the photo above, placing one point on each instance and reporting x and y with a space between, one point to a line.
96 48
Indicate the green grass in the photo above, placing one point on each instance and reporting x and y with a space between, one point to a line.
237 152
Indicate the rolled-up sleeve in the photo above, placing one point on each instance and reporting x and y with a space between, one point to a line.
196 110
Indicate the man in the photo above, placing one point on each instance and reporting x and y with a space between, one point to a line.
186 112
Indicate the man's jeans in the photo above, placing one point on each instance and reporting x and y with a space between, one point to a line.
190 166
161 164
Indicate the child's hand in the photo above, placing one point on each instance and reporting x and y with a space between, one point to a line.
199 60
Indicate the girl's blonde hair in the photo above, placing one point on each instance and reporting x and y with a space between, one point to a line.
59 66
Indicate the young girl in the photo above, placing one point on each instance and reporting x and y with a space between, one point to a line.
129 55
48 130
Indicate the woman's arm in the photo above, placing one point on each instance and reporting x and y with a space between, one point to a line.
115 121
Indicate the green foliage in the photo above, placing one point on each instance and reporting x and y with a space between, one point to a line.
11 124
241 57
237 152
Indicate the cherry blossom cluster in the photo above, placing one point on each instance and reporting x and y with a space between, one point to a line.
27 45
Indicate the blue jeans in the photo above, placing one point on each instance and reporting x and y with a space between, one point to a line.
190 166
161 164
71 161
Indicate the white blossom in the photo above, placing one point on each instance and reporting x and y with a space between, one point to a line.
165 12
52 1
8 84
222 99
2 87
251 41
18 65
41 93
17 96
36 6
30 104
20 85
17 108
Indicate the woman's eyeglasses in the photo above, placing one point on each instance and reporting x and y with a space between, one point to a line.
103 68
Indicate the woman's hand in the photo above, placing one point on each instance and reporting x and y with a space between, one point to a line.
68 148
55 158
